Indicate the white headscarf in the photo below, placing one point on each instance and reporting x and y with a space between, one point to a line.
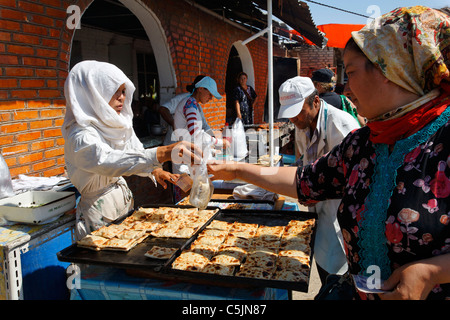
88 90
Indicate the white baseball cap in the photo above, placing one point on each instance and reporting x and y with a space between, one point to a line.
210 84
293 93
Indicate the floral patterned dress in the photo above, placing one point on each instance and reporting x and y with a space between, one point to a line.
395 206
245 101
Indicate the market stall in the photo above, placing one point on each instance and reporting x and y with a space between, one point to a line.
132 274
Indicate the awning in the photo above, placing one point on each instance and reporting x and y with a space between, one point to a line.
337 34
250 14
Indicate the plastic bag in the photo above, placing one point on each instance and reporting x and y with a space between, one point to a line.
6 189
239 141
202 187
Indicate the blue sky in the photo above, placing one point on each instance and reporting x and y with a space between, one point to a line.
325 15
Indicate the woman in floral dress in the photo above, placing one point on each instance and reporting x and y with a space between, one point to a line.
393 174
245 98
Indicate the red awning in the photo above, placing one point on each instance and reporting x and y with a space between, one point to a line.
337 34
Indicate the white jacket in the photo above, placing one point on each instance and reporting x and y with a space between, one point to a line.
332 127
100 144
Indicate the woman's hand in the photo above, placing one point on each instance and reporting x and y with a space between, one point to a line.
180 152
162 176
221 170
414 281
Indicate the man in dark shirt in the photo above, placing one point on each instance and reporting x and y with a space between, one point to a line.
324 83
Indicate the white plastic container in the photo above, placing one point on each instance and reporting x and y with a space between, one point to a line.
36 207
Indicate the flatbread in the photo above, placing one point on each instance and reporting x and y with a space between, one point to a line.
230 256
241 226
184 233
290 275
293 262
147 226
261 244
108 231
203 249
261 258
92 242
132 234
215 241
214 233
157 252
255 272
220 225
219 269
190 261
269 233
233 241
119 244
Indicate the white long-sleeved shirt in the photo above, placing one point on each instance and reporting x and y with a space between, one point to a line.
92 164
188 120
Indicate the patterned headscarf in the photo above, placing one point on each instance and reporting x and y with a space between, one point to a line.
411 46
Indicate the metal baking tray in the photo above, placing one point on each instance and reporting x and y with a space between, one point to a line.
252 204
135 258
137 264
262 217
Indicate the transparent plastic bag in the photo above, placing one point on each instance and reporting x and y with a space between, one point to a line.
202 187
6 189
239 140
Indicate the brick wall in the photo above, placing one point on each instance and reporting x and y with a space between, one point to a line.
34 56
313 58
34 50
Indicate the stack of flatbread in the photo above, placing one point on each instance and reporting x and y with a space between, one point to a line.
251 250
157 222
113 237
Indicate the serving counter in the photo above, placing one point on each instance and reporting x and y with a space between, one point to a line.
30 269
101 282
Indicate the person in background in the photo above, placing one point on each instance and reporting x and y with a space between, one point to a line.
324 81
392 175
318 127
188 120
167 111
245 98
101 145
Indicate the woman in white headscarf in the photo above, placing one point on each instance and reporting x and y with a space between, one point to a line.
101 146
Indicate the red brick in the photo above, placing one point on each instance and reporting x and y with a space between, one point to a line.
7 151
25 115
54 153
19 72
28 136
8 60
40 124
19 170
31 158
42 145
43 165
6 139
54 172
23 94
52 133
16 127
8 83
9 25
27 6
32 83
49 93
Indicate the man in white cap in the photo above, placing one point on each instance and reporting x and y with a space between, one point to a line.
318 128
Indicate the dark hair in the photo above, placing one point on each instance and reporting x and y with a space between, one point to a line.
241 74
310 99
191 87
353 46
